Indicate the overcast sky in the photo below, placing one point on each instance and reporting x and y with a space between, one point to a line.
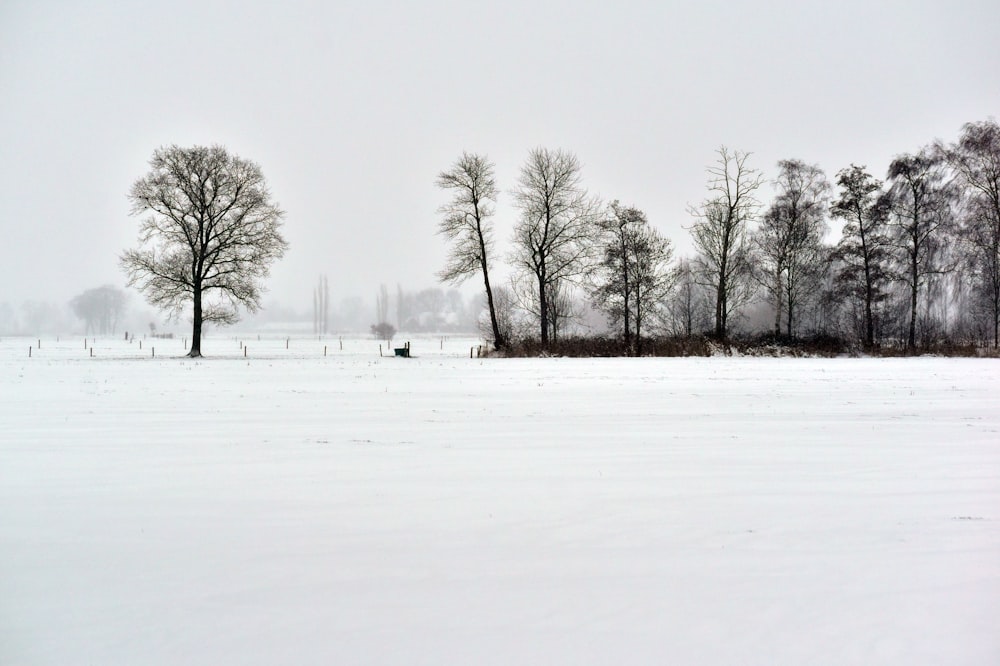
351 109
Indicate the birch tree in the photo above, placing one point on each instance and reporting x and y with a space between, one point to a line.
467 225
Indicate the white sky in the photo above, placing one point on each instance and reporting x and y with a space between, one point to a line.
353 108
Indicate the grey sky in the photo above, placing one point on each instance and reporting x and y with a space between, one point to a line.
351 109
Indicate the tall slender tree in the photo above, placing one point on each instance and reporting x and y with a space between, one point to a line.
789 242
863 253
553 239
921 219
466 223
720 233
976 159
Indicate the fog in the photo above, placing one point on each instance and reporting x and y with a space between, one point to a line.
351 109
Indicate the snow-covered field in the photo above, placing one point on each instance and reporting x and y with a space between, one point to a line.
295 508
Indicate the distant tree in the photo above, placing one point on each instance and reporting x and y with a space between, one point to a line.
789 242
920 219
564 306
553 239
466 223
383 331
400 306
100 309
863 254
509 320
976 159
720 233
632 276
687 307
321 306
382 305
210 229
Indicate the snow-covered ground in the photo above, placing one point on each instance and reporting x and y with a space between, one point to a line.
295 508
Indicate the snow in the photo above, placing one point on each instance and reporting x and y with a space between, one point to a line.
290 507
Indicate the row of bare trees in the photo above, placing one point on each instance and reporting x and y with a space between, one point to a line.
917 260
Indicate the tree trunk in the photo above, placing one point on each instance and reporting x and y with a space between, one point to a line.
790 326
777 303
720 310
625 292
638 321
498 339
196 324
720 295
911 340
543 309
869 320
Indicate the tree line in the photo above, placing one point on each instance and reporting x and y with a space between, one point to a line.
916 264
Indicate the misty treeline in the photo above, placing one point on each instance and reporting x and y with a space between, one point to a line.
107 310
97 311
426 310
907 259
431 309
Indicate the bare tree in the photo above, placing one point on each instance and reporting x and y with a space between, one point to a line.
687 308
863 253
564 307
552 240
976 158
920 218
321 306
720 233
467 225
789 242
99 308
382 306
632 277
508 318
210 229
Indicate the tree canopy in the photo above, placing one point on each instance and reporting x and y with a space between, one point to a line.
208 235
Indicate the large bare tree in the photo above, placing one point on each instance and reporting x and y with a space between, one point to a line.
553 239
863 253
632 276
921 220
789 243
720 233
976 158
466 223
209 235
